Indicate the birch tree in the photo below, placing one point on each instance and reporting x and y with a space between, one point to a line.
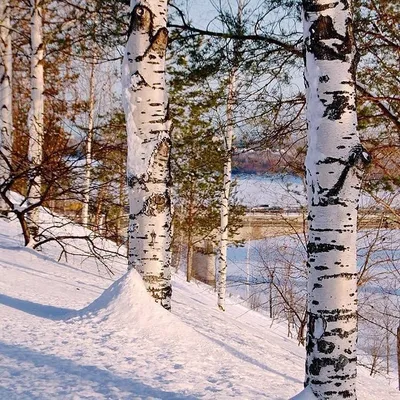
89 142
148 163
36 112
334 164
5 95
228 138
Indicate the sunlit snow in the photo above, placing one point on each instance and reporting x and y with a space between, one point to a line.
71 331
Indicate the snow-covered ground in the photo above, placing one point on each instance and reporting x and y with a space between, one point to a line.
123 346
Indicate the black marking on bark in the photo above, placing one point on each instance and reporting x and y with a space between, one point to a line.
128 55
324 78
157 132
159 120
158 42
338 364
319 382
345 275
157 46
345 4
132 182
331 160
321 268
323 29
339 105
155 204
325 347
141 20
317 286
313 248
140 82
341 363
329 230
160 294
310 6
336 311
309 346
330 394
357 154
338 315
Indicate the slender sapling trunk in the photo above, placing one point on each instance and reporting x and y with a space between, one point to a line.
6 123
89 141
35 116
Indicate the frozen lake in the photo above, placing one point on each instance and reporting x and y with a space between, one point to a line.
288 191
272 190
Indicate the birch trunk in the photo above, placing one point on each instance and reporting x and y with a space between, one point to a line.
6 124
334 164
35 116
148 165
224 227
89 140
189 240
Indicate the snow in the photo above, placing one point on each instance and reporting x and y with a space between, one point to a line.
71 331
305 394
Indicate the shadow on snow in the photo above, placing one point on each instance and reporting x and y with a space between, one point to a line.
39 310
73 375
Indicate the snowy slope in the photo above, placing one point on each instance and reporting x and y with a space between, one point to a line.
123 346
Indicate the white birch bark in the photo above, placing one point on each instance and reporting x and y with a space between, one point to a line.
36 116
6 123
148 164
224 226
89 141
334 164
